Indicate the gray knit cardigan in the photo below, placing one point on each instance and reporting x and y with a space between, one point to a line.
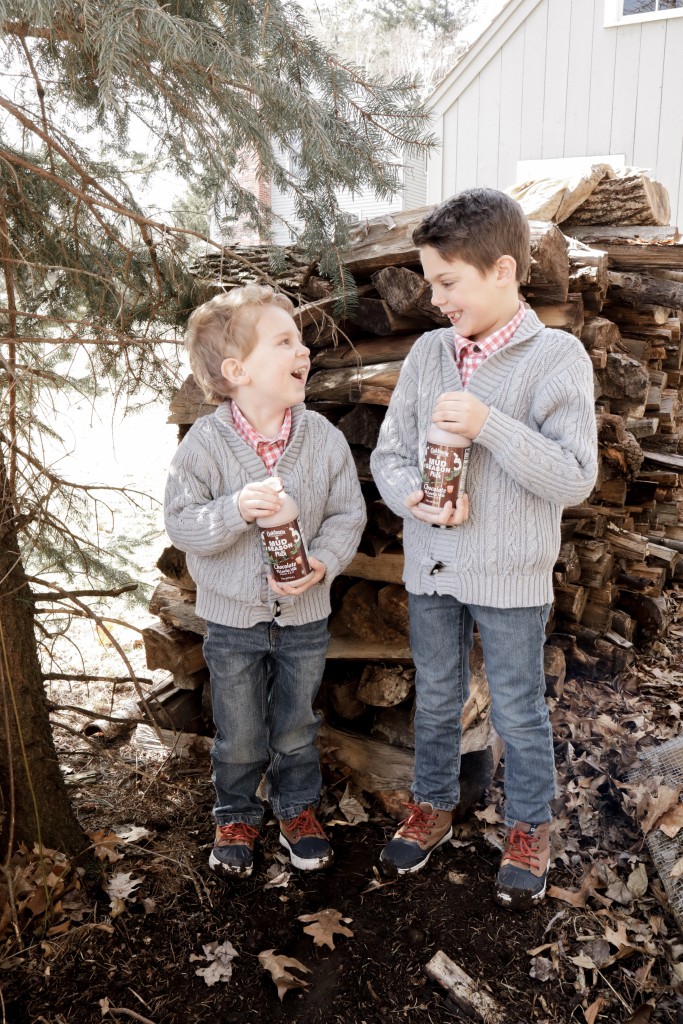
224 553
536 453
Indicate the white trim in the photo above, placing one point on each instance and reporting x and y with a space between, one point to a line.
615 17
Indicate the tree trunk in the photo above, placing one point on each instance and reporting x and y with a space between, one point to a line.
35 806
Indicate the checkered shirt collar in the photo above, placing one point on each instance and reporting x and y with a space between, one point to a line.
495 341
269 449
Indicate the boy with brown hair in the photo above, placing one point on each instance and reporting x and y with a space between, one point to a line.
267 641
523 394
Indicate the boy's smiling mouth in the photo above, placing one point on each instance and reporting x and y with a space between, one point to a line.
301 373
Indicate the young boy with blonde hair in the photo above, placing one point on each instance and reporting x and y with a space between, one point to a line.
524 395
267 641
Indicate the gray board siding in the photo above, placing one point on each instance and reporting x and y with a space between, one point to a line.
563 85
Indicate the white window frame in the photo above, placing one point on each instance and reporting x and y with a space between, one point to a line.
614 15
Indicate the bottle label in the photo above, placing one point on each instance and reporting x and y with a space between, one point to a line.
286 552
443 474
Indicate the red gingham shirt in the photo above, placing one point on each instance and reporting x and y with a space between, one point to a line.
471 354
268 449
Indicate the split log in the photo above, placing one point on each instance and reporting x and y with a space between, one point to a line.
640 289
175 610
644 236
408 294
555 670
351 648
176 651
600 333
377 317
341 693
189 404
173 565
465 992
632 199
347 384
387 567
384 242
565 316
624 379
549 268
361 425
365 353
384 686
392 607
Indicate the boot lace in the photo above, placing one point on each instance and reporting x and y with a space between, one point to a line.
305 824
522 848
419 823
237 832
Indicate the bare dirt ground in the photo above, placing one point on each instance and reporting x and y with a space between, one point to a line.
143 930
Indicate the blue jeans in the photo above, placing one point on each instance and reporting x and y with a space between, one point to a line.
263 683
512 642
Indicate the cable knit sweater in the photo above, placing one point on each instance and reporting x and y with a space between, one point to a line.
224 553
536 453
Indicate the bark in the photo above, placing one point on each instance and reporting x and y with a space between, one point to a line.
35 804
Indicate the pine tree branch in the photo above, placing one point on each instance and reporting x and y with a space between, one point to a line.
115 592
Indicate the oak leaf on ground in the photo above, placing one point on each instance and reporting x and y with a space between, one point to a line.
278 965
324 924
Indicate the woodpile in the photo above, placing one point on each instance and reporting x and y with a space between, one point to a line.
618 289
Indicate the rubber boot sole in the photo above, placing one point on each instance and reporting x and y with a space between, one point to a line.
306 863
238 870
391 870
518 899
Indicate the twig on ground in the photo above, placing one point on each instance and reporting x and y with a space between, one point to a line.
123 1012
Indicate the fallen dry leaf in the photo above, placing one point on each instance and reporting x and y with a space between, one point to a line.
591 1012
489 814
220 957
659 804
672 821
677 869
277 965
119 888
105 845
351 808
637 882
323 926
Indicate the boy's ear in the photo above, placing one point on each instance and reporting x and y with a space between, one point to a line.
506 269
233 371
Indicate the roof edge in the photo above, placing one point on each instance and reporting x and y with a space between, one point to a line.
494 35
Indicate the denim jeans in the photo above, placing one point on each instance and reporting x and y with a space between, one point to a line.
263 683
512 642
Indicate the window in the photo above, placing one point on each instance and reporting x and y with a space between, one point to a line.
626 12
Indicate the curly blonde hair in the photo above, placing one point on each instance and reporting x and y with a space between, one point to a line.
222 327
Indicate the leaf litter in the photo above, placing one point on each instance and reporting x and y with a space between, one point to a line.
604 948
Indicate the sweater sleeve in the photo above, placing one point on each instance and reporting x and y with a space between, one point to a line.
344 517
556 461
197 521
394 462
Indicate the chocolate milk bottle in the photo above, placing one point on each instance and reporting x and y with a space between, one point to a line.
283 543
444 469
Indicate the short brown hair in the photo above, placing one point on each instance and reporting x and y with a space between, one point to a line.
478 226
222 327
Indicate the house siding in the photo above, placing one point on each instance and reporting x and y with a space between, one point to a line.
548 80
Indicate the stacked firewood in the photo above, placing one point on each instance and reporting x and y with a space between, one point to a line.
620 290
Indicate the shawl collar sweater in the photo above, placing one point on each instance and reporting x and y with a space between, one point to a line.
536 453
224 553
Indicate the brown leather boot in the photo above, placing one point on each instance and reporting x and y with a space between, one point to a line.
414 842
523 870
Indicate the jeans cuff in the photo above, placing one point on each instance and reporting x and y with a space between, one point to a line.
242 819
287 813
439 805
